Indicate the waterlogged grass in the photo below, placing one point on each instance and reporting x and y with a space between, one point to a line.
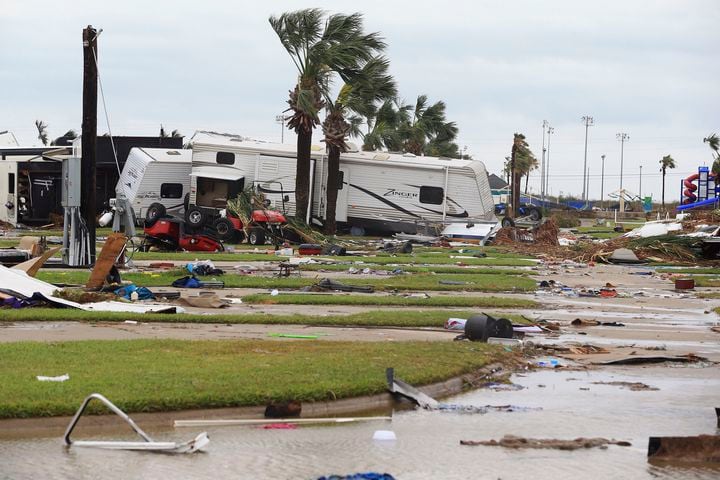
167 375
389 300
480 283
376 318
707 281
709 295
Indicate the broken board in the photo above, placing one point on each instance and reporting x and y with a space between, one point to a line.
106 260
398 387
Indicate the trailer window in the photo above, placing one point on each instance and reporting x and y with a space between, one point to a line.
432 195
341 179
171 190
225 158
11 183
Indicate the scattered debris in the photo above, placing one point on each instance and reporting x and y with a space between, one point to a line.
483 326
511 441
384 436
283 410
329 284
625 256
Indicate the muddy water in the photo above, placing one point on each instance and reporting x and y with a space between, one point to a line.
427 443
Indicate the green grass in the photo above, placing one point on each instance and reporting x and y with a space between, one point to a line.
419 281
379 259
376 318
412 269
689 270
707 281
388 300
168 375
709 295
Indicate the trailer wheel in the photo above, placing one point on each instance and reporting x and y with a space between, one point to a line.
154 212
535 214
225 229
507 222
195 217
257 236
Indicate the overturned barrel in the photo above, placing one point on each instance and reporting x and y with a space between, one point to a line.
479 328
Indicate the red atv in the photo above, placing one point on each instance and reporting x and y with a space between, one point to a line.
168 233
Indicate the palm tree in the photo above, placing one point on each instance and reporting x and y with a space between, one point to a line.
666 162
320 48
66 139
713 142
42 131
359 96
520 158
528 163
427 125
384 126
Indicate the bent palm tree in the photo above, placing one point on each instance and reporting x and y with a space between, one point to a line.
666 162
519 152
319 48
713 142
359 96
42 131
428 125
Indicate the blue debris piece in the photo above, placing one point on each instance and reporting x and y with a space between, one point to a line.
360 476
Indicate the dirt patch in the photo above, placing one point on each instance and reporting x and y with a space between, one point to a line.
634 386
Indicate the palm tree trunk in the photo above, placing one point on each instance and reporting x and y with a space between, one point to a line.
302 174
527 179
332 188
663 190
515 184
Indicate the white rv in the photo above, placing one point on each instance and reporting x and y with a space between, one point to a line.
378 191
156 176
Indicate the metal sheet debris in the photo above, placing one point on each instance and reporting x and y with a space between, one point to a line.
148 444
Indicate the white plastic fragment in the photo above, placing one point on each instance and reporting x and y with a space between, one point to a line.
384 436
59 378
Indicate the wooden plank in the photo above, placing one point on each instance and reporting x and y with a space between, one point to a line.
32 266
113 246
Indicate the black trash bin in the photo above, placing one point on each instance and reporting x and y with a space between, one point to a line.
479 328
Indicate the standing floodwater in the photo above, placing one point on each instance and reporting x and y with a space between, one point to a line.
567 404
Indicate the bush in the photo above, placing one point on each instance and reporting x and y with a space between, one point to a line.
566 220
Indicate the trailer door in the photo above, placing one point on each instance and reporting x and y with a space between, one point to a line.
342 199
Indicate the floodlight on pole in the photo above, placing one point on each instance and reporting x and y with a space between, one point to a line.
281 120
589 122
545 124
550 131
622 137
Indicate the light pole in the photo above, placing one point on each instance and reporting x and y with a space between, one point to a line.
640 187
602 183
587 186
623 137
588 121
550 131
281 120
545 124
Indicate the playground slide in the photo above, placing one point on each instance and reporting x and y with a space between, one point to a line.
690 187
702 203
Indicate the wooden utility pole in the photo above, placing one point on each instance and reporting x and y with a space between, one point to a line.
89 133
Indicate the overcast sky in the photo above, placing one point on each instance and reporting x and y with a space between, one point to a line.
646 68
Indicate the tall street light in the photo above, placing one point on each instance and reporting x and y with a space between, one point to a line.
545 124
602 183
640 186
622 137
588 121
550 131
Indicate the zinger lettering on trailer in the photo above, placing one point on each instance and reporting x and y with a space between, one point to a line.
396 193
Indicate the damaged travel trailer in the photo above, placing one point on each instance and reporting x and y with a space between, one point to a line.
30 181
378 191
158 178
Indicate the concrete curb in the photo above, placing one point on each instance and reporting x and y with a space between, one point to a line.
14 428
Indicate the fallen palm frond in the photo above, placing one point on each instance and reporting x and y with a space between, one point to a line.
244 204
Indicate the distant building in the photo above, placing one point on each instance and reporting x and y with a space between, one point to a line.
500 188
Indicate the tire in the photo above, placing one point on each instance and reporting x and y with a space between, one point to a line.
154 212
507 222
225 229
257 236
357 231
195 217
186 202
535 214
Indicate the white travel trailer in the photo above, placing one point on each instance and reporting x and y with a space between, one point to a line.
156 176
378 191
